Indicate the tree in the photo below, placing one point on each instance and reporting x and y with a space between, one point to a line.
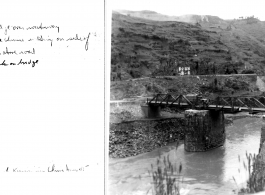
214 69
119 75
197 67
227 71
215 83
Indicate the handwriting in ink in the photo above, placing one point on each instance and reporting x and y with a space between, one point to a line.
14 52
49 169
40 38
32 62
13 28
86 46
76 38
4 63
52 169
7 28
8 52
19 170
28 52
76 170
21 62
44 27
9 39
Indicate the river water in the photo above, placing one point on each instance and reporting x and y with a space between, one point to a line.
209 172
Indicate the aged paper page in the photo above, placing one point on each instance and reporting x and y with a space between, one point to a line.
52 97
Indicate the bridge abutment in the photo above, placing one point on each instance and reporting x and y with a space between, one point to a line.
204 130
151 111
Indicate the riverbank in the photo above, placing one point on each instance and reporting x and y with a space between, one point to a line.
135 137
131 134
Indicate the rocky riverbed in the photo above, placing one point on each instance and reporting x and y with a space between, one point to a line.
140 136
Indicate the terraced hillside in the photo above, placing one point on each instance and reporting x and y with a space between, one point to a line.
143 48
207 44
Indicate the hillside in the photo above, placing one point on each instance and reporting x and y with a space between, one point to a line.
143 47
147 48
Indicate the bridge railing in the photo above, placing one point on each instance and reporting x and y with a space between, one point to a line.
229 103
169 100
243 101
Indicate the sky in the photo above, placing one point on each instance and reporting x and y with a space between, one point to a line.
225 9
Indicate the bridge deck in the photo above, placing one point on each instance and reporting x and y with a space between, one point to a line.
227 104
211 107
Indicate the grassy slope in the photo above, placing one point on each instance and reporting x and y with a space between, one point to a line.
243 41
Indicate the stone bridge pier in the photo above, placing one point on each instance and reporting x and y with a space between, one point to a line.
151 111
205 130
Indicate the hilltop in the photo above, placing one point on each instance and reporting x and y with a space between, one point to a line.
190 18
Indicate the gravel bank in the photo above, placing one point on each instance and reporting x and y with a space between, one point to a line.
135 137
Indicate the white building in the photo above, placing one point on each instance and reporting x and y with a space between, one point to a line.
184 70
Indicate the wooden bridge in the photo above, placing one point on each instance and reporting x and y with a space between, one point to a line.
231 104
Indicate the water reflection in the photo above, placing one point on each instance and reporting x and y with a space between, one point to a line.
204 172
205 167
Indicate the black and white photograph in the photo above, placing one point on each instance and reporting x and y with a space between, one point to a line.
187 98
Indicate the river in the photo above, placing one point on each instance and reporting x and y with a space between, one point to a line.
209 172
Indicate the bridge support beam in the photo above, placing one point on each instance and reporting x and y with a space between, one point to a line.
204 130
151 111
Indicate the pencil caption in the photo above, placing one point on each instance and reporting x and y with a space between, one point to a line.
49 169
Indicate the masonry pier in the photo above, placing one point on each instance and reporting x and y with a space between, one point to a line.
204 130
151 111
